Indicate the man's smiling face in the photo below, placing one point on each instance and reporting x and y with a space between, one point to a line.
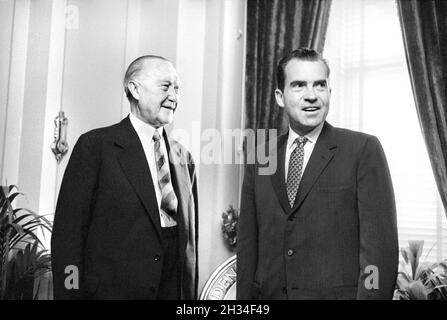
158 93
306 94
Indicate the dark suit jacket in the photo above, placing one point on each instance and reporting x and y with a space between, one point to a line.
107 220
343 221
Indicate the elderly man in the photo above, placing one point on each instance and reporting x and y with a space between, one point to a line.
323 226
126 219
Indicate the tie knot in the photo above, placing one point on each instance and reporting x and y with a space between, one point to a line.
156 136
301 141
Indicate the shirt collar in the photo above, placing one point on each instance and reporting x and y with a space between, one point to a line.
312 136
143 129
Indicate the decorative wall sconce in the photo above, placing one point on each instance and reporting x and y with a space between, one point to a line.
60 144
229 227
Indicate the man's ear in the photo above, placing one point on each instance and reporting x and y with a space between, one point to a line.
279 98
133 89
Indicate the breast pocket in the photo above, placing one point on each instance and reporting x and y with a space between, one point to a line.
330 189
332 197
326 206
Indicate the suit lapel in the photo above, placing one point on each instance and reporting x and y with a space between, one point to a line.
278 178
322 154
134 165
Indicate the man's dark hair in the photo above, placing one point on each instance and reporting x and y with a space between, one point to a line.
304 54
133 69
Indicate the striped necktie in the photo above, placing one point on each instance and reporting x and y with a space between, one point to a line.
295 171
168 199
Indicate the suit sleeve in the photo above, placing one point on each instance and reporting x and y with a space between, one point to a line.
247 242
378 227
193 175
71 220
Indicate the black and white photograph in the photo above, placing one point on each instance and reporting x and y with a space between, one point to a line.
250 151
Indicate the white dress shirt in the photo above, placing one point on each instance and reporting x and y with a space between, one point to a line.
312 138
145 133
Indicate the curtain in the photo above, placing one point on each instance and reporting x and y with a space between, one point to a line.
274 28
424 31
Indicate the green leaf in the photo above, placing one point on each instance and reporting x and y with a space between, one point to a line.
402 283
405 276
17 228
36 293
417 291
404 254
402 295
414 253
12 196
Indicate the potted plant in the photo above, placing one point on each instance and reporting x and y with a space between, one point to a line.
420 280
23 258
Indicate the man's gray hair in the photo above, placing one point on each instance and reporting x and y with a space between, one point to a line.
133 70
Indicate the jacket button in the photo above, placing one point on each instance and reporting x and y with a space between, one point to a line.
157 257
290 252
292 218
284 290
152 289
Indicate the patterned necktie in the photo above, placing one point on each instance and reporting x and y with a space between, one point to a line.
168 199
295 169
